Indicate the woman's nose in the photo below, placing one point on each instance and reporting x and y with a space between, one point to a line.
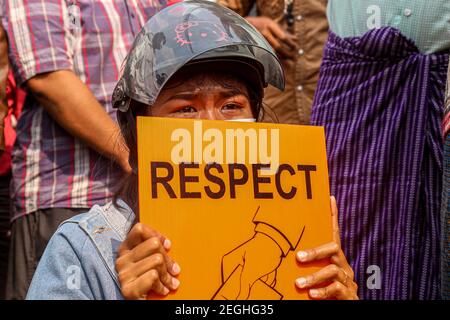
211 114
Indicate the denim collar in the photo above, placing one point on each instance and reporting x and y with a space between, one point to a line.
107 226
120 218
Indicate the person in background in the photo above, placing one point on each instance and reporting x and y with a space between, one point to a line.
4 68
4 176
380 97
68 55
445 209
297 30
11 102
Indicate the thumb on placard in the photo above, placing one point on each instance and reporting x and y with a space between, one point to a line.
335 223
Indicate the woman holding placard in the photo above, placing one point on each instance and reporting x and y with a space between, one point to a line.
198 60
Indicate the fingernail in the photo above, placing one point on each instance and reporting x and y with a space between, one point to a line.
301 282
167 244
176 268
314 293
302 255
166 291
175 283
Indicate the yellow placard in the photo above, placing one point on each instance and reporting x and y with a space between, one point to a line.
237 200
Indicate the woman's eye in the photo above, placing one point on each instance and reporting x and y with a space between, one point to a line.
232 106
188 109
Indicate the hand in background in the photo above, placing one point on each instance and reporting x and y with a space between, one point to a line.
282 42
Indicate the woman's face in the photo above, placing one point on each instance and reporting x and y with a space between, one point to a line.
206 96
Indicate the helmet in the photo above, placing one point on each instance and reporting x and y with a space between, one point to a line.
188 33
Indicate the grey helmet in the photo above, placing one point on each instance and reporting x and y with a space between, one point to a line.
190 32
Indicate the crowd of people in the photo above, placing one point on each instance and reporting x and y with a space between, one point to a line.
74 75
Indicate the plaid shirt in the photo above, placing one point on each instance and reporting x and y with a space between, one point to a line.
90 37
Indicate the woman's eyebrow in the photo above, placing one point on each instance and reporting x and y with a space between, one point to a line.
225 93
183 96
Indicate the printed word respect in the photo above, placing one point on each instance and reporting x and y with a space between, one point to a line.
225 180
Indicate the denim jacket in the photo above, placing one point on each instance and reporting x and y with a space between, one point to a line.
79 261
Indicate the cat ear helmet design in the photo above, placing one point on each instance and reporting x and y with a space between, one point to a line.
189 33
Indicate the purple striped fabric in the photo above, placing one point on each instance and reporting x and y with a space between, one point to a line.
381 102
445 206
91 38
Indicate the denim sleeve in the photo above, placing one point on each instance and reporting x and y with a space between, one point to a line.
61 274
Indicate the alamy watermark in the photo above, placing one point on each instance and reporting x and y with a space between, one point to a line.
73 281
212 146
374 19
74 17
374 279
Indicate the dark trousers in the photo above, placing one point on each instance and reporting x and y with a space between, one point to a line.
4 231
29 237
